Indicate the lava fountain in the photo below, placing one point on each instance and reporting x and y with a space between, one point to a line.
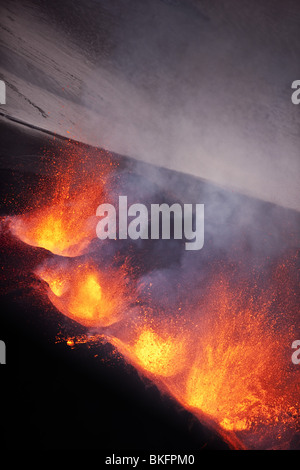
63 220
84 293
223 353
228 359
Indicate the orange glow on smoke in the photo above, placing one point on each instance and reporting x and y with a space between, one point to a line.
83 294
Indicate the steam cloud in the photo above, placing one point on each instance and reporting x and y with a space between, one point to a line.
198 88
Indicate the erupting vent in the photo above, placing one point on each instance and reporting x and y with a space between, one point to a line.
222 351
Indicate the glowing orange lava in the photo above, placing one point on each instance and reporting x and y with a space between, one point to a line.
65 222
234 371
226 357
164 357
240 373
84 294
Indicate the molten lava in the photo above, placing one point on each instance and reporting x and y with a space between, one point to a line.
230 365
240 374
66 236
225 357
64 222
164 357
84 294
